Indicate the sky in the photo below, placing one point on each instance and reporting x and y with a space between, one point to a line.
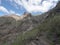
18 7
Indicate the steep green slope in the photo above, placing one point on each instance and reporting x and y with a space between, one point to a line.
49 29
52 29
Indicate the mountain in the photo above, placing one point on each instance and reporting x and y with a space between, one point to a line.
12 25
48 33
31 30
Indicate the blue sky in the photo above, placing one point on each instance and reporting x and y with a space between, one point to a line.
18 7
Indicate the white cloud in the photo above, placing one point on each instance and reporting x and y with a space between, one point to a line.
42 8
33 5
3 9
13 12
18 14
